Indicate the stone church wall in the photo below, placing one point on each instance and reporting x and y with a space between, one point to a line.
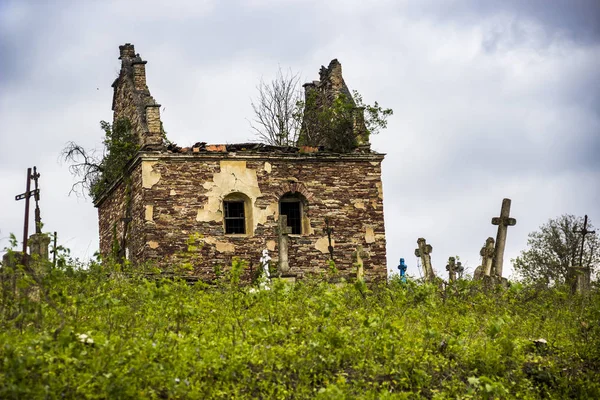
181 205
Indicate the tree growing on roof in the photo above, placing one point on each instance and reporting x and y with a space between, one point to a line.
334 117
276 110
340 125
329 115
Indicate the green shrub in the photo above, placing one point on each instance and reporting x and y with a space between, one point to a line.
106 336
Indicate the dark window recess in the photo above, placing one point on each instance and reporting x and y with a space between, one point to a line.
294 219
234 217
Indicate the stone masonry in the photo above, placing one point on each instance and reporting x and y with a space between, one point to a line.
168 209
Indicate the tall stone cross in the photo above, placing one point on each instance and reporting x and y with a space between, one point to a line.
283 232
487 256
423 251
28 193
503 222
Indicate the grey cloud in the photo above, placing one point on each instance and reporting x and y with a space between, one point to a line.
577 20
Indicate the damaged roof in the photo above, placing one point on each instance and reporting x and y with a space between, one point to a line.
202 147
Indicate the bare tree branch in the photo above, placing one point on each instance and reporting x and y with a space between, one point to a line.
276 119
84 165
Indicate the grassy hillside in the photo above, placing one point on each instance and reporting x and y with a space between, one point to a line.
88 335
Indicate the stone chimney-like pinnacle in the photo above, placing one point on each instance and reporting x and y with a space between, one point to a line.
126 51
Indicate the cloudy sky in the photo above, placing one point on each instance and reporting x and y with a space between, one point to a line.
491 99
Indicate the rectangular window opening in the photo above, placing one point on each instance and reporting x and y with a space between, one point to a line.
294 218
235 222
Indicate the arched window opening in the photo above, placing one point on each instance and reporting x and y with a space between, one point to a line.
292 206
236 213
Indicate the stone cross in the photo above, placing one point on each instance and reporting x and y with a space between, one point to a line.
358 254
487 256
503 222
423 251
283 232
452 269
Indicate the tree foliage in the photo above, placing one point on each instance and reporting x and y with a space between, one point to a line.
96 173
283 118
338 124
554 248
276 110
107 336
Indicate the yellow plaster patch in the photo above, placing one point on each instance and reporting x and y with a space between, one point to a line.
268 167
222 247
374 163
149 212
172 192
152 244
271 245
149 176
360 205
306 226
369 235
225 247
380 190
233 177
262 214
322 244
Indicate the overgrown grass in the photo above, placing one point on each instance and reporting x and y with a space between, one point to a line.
167 339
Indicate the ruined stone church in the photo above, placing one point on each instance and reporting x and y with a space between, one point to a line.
205 204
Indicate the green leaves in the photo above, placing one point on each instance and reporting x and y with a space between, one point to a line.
140 338
120 145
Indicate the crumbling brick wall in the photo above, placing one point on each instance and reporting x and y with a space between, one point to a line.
167 209
182 196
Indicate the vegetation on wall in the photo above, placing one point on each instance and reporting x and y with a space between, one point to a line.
282 118
338 124
95 173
